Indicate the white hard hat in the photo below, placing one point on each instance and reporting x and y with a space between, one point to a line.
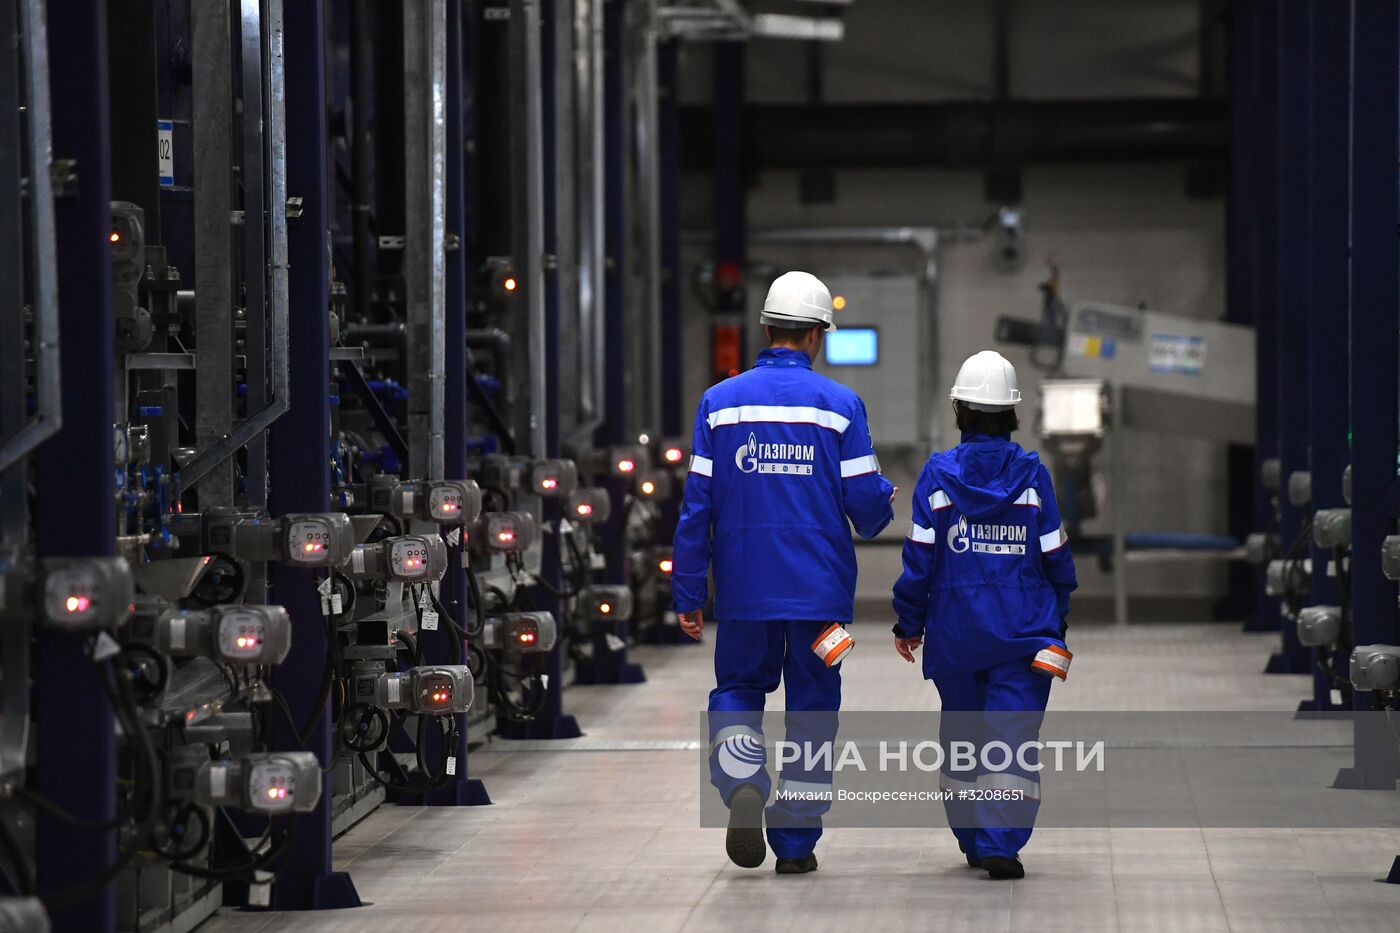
795 299
986 382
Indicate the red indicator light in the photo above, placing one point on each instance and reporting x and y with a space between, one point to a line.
665 565
506 537
282 793
549 482
673 455
585 509
77 603
312 548
449 507
626 465
527 637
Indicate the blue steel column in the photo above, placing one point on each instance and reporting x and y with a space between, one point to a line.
1294 165
673 413
607 666
1247 503
668 138
730 187
299 457
1328 328
1261 20
1375 365
73 479
465 790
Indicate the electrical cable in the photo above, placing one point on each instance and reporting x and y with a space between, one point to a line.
478 604
121 696
455 634
504 702
328 675
249 868
431 780
42 803
21 878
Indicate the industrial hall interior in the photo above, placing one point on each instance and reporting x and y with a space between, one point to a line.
699 465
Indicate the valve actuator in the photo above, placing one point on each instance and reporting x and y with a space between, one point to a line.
551 479
1319 626
526 632
444 501
1375 667
1299 488
1332 528
653 484
233 634
84 593
272 782
432 690
603 603
507 532
321 539
405 559
589 506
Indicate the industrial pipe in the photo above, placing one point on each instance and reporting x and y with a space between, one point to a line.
648 158
425 206
529 207
966 134
278 400
591 278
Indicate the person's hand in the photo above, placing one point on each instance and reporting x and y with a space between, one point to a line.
893 494
692 623
907 646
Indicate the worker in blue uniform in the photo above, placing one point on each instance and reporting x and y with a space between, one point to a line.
985 590
782 467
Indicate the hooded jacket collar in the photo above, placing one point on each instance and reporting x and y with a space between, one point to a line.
984 474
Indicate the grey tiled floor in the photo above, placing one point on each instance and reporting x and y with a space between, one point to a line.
609 840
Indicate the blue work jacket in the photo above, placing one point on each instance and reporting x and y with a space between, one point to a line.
782 461
987 568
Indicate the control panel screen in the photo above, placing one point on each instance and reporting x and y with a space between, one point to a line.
853 346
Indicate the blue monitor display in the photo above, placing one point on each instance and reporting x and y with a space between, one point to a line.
853 346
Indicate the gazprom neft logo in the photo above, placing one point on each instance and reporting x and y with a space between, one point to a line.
986 539
779 459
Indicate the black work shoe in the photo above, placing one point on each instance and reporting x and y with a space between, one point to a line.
1003 868
744 842
797 866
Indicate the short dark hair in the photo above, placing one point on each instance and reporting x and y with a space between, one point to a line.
788 335
995 423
